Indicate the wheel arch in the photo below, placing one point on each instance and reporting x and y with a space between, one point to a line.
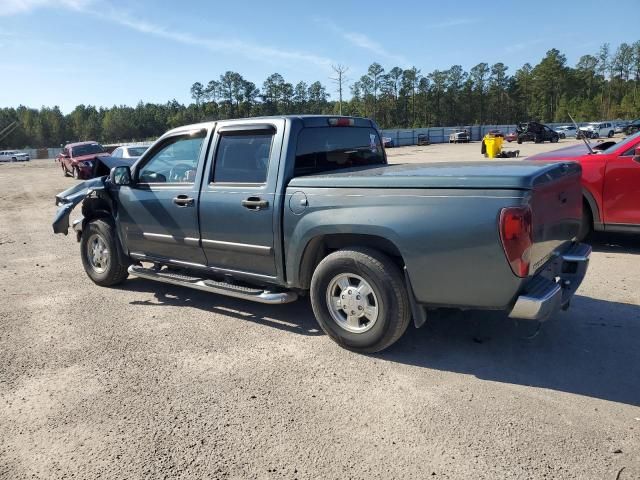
320 246
590 201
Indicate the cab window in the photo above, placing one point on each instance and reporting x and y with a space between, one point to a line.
243 158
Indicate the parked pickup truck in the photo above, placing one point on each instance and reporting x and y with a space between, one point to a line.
267 209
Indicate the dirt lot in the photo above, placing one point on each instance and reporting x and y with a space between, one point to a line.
152 381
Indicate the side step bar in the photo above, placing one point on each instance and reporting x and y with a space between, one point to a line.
211 286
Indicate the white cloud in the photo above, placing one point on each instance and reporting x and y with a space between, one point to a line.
454 22
106 11
13 7
361 40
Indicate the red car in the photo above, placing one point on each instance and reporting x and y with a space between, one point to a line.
78 159
610 184
511 137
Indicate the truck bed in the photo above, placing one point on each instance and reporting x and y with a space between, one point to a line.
519 175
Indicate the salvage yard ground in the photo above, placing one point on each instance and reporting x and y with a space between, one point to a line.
149 380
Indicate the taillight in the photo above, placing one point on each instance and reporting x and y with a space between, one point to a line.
341 122
516 236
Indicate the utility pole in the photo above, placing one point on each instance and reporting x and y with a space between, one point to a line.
339 79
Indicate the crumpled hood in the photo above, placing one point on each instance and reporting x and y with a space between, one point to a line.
71 197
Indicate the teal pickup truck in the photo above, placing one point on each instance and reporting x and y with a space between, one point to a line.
268 209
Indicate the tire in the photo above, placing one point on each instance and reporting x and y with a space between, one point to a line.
75 173
64 170
111 266
596 135
388 294
554 139
586 223
610 134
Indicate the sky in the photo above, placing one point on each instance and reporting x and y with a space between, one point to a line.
113 52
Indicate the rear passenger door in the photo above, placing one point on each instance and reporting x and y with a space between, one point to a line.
238 196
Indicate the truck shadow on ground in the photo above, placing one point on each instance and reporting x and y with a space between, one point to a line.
296 317
615 243
591 350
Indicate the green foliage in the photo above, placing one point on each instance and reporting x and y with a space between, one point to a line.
605 85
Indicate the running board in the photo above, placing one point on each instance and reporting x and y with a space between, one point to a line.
211 286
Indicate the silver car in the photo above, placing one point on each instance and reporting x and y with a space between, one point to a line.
129 152
14 156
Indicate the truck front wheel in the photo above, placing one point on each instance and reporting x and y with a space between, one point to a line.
101 257
360 300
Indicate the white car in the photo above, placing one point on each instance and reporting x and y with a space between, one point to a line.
129 152
599 130
14 156
566 131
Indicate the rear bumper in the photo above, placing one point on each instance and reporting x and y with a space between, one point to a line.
552 288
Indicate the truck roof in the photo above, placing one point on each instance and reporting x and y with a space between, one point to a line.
306 120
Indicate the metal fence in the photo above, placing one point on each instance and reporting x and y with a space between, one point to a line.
402 137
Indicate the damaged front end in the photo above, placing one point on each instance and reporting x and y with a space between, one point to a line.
70 198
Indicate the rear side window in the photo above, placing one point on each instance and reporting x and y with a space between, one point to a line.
242 158
334 148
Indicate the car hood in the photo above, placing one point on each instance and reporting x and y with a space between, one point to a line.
67 201
91 156
571 152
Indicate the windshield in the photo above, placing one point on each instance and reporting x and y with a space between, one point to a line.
137 151
333 148
88 149
623 144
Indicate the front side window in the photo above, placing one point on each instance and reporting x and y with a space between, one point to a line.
334 148
242 158
175 161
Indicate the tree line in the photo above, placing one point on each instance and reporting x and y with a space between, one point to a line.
603 85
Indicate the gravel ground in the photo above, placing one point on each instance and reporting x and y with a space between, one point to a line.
151 381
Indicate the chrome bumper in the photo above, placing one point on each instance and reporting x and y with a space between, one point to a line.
552 288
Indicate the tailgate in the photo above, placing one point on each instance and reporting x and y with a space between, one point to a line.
556 207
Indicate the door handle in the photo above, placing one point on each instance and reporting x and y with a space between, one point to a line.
255 203
183 201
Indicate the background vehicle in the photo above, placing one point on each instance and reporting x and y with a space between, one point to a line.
268 208
566 131
597 130
460 136
14 156
535 132
610 180
620 126
633 127
423 139
511 137
129 152
387 142
79 159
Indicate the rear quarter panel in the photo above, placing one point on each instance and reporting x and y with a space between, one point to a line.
449 239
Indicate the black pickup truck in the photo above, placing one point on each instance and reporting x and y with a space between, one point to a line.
267 209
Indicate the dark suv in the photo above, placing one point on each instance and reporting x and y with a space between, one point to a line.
536 132
632 128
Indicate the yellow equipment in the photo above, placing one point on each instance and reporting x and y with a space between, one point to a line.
492 145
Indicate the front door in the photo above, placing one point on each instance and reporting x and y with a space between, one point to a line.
237 200
622 189
159 211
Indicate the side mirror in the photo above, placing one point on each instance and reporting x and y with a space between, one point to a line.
636 155
120 175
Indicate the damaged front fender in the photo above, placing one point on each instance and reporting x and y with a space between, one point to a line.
67 201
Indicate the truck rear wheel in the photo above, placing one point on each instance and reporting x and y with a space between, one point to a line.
360 300
102 259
